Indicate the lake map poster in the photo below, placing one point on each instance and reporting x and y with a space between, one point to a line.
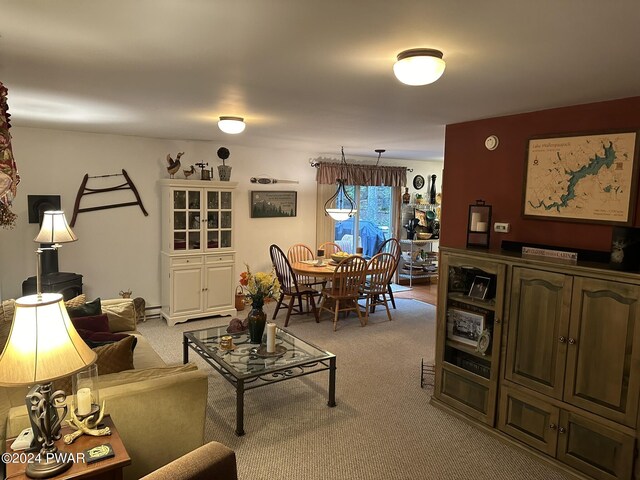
582 178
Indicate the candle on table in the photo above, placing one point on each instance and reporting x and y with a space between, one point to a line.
271 337
320 255
83 396
359 250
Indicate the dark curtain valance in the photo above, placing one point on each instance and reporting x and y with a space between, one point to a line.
368 175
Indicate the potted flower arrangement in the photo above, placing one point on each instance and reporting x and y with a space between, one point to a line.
258 287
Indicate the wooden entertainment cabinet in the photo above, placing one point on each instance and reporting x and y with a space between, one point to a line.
561 373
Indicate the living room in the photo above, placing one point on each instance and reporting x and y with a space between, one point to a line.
66 134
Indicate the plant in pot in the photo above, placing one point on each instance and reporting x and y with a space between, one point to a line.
224 170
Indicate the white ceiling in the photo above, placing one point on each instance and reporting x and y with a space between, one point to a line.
308 75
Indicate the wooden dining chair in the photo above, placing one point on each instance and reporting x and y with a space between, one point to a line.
330 248
374 290
289 287
342 293
391 246
298 253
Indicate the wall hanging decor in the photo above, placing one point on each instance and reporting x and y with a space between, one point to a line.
9 177
84 190
273 204
587 178
479 225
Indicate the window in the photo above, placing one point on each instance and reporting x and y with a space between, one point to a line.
373 220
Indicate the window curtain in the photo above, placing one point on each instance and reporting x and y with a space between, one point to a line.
9 177
367 175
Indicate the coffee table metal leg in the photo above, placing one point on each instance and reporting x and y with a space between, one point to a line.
240 408
185 350
332 382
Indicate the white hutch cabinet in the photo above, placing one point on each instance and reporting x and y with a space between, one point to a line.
197 258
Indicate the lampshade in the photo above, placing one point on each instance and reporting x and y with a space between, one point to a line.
55 229
231 125
340 214
419 66
340 206
43 344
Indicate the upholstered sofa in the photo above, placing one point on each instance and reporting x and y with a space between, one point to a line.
159 410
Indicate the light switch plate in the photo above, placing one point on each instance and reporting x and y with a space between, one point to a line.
501 227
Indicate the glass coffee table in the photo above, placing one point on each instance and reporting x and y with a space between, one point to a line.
249 366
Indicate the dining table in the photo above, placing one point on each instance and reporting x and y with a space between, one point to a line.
311 268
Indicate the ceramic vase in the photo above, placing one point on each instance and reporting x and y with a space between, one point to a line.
256 321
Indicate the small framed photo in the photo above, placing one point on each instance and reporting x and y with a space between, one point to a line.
464 326
479 287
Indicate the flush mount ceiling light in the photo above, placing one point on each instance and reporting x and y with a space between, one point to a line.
231 125
419 66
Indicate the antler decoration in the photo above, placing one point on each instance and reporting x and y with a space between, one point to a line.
86 426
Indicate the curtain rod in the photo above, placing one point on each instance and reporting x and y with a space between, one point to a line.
316 164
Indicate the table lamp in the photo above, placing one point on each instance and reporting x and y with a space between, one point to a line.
44 346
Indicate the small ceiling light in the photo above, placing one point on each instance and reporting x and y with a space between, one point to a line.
231 125
419 66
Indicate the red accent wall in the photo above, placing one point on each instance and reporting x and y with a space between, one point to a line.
472 172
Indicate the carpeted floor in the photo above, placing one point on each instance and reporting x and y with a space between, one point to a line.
383 426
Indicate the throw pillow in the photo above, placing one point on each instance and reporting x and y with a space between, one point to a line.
112 358
95 323
122 315
98 339
76 301
86 309
116 357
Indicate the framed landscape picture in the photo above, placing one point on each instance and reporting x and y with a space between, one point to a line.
586 178
269 203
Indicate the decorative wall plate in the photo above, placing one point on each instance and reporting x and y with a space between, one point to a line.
484 340
418 182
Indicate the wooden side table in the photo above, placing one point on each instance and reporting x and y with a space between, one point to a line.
108 469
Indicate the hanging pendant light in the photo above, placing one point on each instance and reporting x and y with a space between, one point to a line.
340 206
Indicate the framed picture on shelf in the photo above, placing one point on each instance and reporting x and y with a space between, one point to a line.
464 326
479 287
420 215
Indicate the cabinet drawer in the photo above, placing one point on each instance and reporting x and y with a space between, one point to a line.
176 261
220 258
464 393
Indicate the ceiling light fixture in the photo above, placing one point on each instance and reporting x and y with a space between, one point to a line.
341 206
419 66
231 125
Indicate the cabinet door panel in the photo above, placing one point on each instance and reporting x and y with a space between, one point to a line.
528 419
466 395
602 360
220 286
538 318
186 290
598 451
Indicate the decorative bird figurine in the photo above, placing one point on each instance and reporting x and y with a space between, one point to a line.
174 165
188 173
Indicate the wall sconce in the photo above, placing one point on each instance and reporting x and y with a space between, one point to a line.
479 226
232 125
419 66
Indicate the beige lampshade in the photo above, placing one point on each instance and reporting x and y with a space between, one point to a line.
55 229
43 344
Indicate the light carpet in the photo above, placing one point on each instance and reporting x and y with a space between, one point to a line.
383 426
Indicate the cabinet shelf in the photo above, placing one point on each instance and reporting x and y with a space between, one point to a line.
468 349
464 298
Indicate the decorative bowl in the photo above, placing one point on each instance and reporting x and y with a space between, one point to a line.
339 256
424 236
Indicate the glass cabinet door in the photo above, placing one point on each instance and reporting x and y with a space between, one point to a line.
186 220
218 220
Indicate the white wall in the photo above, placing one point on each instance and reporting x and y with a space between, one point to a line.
118 249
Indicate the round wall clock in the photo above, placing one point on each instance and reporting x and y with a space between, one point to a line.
418 182
491 142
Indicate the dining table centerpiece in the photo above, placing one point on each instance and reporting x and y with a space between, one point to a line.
258 286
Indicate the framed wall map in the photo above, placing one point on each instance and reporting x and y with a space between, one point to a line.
587 178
